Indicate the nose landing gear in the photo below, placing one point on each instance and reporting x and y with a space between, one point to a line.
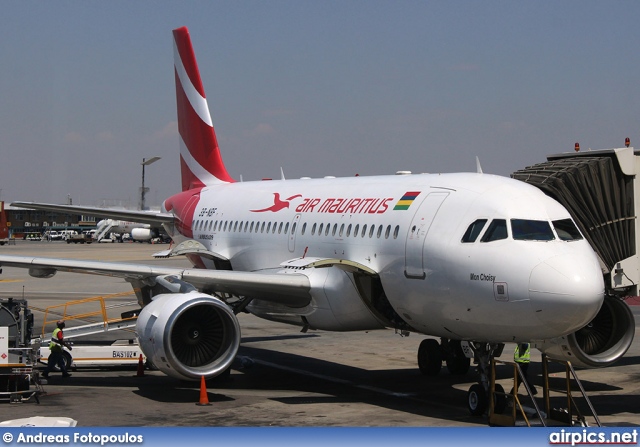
478 394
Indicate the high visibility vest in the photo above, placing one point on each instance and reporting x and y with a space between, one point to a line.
54 345
522 357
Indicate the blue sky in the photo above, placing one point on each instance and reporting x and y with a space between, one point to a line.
315 87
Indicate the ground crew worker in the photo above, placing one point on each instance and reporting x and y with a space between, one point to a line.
55 346
522 356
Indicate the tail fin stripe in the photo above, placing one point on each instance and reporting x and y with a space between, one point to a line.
194 96
199 176
194 133
182 46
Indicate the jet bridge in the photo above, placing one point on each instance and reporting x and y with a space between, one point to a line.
601 190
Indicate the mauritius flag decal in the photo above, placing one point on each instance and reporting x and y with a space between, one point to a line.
407 199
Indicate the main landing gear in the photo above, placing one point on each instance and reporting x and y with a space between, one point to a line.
431 354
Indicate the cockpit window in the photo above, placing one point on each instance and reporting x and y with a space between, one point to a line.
474 230
567 230
531 230
497 230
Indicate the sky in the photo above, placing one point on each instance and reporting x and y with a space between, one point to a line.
317 88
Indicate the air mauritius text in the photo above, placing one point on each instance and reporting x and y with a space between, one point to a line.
344 206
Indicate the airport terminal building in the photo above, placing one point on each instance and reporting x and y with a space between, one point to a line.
23 222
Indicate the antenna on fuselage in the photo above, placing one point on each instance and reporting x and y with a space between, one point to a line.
282 174
478 167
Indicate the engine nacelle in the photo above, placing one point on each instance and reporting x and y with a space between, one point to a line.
141 234
188 335
598 344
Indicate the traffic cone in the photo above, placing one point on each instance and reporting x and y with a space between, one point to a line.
204 398
140 367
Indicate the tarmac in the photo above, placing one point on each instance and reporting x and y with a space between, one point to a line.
282 377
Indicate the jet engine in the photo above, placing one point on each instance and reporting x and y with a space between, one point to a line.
188 335
142 234
601 342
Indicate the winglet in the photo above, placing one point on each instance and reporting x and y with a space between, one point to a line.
478 167
200 160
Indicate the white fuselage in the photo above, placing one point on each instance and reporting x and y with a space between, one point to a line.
498 290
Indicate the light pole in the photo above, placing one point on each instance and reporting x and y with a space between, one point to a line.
143 190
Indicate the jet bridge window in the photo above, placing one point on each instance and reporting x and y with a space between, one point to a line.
497 230
567 230
474 230
531 230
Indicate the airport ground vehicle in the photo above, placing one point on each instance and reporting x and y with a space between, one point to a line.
78 238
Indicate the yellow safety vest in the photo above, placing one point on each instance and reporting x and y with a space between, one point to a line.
522 357
54 345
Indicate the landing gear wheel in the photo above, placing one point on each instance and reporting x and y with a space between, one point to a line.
429 357
457 363
477 400
500 400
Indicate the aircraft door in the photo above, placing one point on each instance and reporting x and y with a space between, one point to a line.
295 223
417 234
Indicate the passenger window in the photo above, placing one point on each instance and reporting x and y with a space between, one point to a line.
326 231
364 230
304 228
396 231
373 227
474 230
497 230
567 230
286 228
313 229
356 230
273 229
335 227
280 228
379 231
320 229
293 228
348 230
531 230
341 230
386 233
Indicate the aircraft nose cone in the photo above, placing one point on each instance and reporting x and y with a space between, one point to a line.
566 291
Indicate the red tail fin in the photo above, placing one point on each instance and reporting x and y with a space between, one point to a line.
4 230
200 160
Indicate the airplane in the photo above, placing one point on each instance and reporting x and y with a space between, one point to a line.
138 231
474 259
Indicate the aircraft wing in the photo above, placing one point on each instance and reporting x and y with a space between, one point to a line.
289 289
150 217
